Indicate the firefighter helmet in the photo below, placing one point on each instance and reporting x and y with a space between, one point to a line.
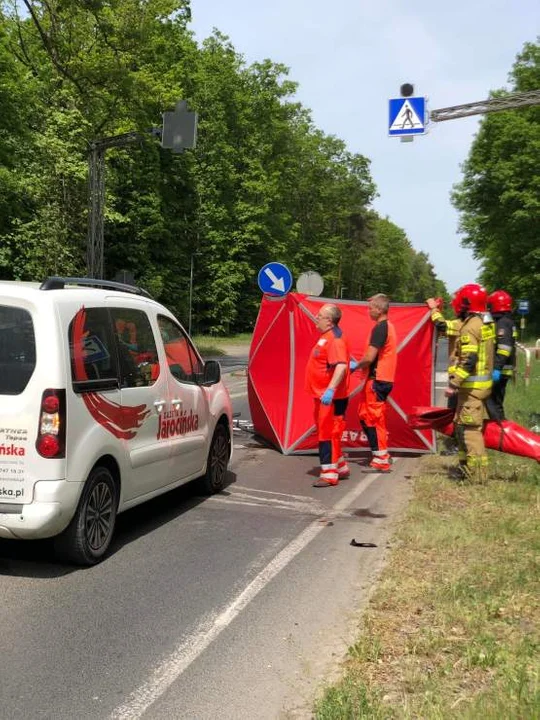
456 301
500 301
473 298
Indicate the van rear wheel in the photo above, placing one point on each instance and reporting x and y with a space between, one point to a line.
88 536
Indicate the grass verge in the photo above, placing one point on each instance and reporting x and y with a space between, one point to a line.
212 346
453 627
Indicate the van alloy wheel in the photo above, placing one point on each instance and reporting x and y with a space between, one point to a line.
88 536
218 458
99 512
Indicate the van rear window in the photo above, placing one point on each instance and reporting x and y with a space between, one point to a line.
17 349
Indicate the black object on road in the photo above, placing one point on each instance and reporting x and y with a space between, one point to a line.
354 543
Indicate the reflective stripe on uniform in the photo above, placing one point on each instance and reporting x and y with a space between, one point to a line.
453 327
483 381
478 381
474 354
329 473
477 385
478 378
477 460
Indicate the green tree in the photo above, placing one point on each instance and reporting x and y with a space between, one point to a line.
381 258
263 183
16 102
499 196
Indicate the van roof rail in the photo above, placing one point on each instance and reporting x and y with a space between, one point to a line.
59 283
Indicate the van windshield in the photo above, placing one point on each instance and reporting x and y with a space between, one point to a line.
17 349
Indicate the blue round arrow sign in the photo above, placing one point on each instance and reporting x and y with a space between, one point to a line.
275 279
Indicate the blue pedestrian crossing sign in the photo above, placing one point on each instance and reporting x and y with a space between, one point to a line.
407 116
275 279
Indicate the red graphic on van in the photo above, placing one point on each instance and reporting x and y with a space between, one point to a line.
122 421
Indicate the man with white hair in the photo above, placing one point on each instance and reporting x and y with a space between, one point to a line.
327 381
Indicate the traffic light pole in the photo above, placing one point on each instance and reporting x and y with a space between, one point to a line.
178 132
96 199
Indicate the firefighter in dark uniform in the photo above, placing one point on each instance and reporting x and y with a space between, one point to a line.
471 380
500 306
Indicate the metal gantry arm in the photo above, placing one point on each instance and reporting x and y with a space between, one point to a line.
178 132
96 191
496 104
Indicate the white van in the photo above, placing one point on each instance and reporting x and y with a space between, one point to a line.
104 403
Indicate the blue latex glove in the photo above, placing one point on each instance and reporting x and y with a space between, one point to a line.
496 375
327 396
353 365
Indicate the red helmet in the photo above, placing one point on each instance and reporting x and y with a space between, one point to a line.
500 301
472 298
456 301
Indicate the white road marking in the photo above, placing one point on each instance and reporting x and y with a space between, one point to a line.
271 492
241 498
165 674
228 501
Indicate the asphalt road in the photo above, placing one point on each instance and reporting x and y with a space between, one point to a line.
234 606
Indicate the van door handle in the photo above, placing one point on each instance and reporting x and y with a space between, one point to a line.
176 403
159 405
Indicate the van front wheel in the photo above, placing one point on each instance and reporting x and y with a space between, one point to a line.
213 481
87 537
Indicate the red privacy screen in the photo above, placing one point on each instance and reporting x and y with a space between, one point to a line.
285 332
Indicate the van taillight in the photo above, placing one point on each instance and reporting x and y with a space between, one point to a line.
51 439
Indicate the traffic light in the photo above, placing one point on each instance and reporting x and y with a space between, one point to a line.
406 90
179 128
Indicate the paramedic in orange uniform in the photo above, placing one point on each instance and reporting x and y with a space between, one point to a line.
327 381
380 362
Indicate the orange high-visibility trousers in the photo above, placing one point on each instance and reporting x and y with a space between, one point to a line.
330 423
372 412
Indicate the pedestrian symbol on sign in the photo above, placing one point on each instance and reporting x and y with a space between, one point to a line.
407 116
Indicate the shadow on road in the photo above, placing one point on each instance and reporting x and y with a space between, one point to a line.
36 558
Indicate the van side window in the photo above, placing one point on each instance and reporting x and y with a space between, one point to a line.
136 347
91 346
184 363
17 349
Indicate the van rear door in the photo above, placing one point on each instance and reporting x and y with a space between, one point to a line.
19 411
